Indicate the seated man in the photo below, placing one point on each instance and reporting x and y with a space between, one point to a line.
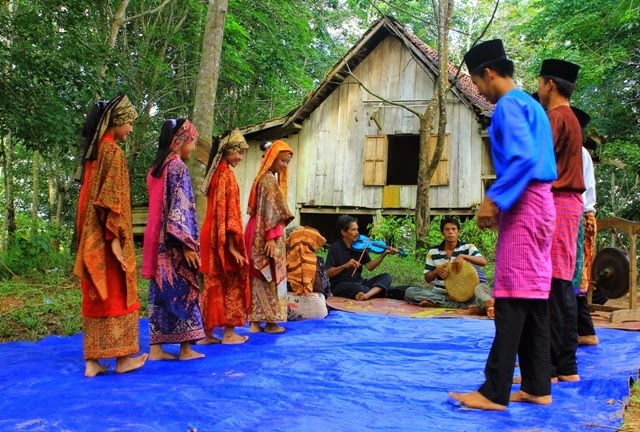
435 272
344 265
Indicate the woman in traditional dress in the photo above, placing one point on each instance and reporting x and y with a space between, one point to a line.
269 215
106 259
226 295
171 257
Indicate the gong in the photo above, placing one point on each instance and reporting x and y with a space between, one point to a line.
611 272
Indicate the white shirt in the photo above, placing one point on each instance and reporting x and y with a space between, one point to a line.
589 195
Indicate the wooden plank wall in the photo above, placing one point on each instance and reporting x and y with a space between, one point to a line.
328 163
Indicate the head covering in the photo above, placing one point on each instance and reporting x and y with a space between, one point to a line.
269 157
560 69
186 134
583 117
116 112
233 142
484 53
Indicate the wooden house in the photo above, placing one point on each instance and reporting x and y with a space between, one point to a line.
356 154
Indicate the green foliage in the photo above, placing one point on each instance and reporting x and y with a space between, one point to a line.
617 177
400 231
31 251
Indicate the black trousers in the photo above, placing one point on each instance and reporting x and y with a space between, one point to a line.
350 288
585 323
563 317
522 328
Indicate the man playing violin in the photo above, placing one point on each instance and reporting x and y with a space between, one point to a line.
435 272
344 265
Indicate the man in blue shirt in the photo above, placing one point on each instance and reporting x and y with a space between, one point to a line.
520 205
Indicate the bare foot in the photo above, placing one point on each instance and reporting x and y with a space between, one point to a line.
472 310
518 380
569 378
230 337
427 303
209 340
361 296
186 353
94 367
254 327
157 353
521 396
489 305
477 401
591 340
128 364
273 328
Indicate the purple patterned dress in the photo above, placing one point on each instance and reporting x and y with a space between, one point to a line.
174 314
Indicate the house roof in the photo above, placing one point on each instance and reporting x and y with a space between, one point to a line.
426 56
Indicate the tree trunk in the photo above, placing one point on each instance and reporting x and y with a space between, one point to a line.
427 164
9 204
205 97
35 199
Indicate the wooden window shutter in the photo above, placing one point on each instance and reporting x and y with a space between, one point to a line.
441 176
375 160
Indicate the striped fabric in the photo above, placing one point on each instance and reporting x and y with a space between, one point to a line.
563 251
437 257
523 267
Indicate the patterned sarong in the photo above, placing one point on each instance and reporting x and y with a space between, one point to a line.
563 251
590 228
108 337
523 268
577 273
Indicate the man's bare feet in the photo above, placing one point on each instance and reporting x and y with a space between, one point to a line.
128 364
427 303
477 401
591 340
273 328
254 327
569 378
472 310
518 380
187 353
209 340
521 396
157 353
361 296
94 367
230 337
489 306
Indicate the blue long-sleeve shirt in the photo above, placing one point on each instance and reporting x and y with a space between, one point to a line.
521 147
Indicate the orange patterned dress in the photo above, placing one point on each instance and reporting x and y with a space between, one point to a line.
226 296
109 295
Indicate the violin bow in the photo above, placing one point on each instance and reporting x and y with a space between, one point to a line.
361 255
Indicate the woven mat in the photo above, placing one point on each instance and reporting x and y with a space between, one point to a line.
391 307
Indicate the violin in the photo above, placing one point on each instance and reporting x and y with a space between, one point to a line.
375 246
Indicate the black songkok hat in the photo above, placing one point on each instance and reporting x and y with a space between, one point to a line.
560 69
486 52
583 117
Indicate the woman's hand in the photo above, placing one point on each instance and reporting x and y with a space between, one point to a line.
116 248
238 257
191 257
270 248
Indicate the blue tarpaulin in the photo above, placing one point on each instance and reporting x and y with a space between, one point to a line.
348 372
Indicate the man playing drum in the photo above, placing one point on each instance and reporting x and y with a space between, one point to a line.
445 261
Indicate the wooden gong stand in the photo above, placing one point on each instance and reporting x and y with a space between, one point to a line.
618 315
